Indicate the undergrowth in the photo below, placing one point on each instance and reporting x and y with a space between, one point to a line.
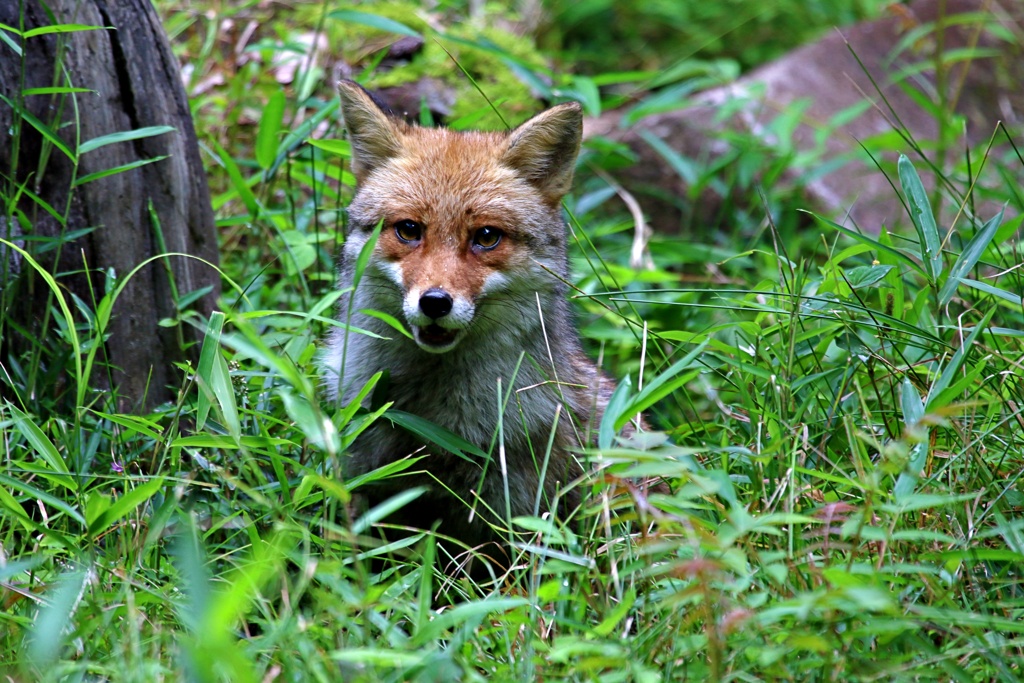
838 417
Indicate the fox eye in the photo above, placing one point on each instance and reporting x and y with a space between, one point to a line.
409 231
487 237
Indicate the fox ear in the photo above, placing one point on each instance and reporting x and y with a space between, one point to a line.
544 149
373 134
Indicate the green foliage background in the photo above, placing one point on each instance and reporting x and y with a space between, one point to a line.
838 415
600 36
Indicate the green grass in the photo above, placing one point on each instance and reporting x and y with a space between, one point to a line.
840 422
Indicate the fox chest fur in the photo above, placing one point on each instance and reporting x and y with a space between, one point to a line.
470 258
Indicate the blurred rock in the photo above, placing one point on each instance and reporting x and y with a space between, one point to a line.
407 99
405 48
984 89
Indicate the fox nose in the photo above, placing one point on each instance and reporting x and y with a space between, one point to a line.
435 303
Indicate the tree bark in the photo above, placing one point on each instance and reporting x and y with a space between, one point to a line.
135 82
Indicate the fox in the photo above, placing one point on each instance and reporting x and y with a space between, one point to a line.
471 258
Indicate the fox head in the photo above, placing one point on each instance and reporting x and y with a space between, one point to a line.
471 222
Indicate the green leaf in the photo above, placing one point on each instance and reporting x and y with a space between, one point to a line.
466 615
189 298
59 218
123 505
342 148
134 423
346 413
436 434
373 21
62 28
359 425
391 321
50 627
124 136
374 658
225 393
9 42
913 411
43 129
969 257
587 93
250 344
425 597
956 362
332 322
81 377
620 77
684 168
40 443
606 431
300 134
270 127
365 253
113 171
923 218
929 501
238 182
225 442
892 251
660 387
211 343
54 90
387 471
383 510
241 586
964 385
865 276
11 29
1014 299
609 623
308 418
47 499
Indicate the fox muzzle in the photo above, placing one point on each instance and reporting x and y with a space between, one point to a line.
436 303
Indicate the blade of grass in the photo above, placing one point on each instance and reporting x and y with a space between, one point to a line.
124 136
923 218
969 258
270 128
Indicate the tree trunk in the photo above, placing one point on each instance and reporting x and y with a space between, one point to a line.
160 207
